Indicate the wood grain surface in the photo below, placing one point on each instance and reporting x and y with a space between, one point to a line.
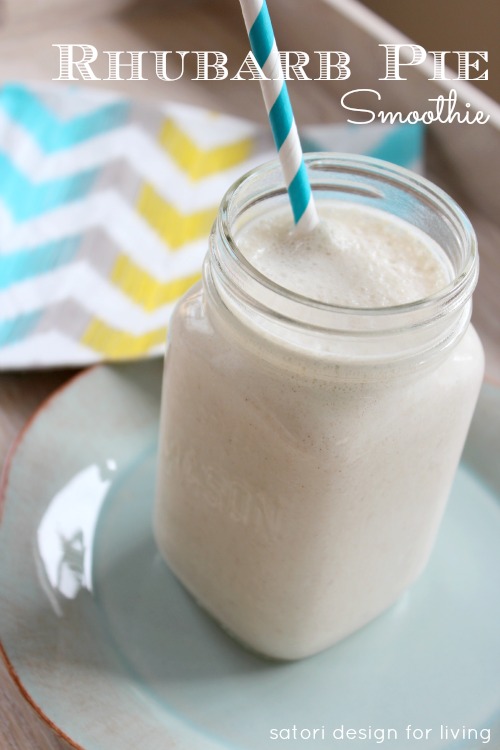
469 171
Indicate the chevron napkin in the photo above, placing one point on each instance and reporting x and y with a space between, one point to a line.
105 209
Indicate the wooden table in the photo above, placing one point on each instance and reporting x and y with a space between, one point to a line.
470 174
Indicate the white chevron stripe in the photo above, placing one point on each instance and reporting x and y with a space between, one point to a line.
6 225
132 144
68 103
45 350
123 142
209 129
109 212
15 138
82 284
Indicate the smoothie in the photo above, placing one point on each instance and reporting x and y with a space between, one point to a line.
300 492
355 257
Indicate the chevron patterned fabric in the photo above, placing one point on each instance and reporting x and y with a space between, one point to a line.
105 209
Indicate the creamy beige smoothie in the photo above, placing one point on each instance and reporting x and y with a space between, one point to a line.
355 257
300 491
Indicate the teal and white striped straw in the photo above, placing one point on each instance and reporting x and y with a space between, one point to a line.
279 109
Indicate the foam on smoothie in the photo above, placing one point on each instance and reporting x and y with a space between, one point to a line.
356 257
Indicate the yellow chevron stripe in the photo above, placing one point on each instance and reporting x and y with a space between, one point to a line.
145 289
174 227
116 344
197 162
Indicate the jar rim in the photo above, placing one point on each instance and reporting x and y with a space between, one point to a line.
454 293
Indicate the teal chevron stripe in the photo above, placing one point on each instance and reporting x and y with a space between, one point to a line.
51 133
25 264
402 146
26 200
18 328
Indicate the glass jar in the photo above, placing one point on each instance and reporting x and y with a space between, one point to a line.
307 450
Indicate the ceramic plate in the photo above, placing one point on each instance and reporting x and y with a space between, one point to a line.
106 644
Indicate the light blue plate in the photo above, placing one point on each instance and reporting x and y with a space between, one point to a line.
111 649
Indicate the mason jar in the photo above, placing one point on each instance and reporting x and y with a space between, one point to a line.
307 449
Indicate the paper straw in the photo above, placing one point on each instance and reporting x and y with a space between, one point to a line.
279 110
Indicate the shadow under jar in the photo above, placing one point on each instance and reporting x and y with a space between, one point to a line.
307 450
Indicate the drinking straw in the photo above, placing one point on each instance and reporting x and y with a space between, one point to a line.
279 110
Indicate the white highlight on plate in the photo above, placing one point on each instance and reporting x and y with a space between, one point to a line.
66 533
